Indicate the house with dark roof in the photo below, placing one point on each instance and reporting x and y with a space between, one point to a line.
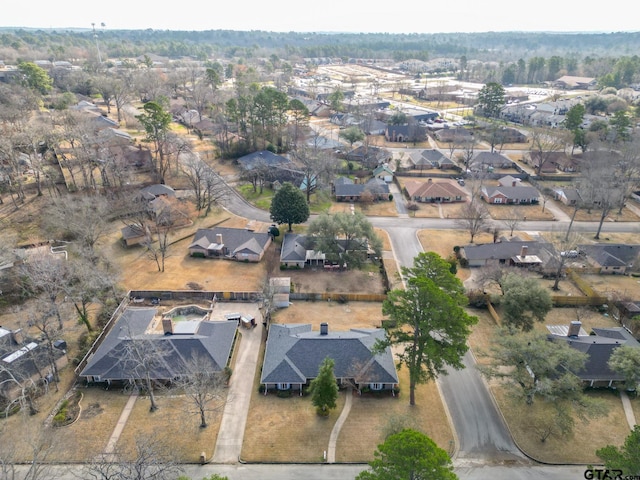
434 192
611 258
230 243
505 252
295 352
567 195
490 160
598 346
368 156
518 195
430 158
25 362
353 192
297 251
173 345
457 134
264 158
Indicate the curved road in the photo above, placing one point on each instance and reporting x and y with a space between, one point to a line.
485 448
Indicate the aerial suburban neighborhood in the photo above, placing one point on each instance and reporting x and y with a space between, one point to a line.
237 257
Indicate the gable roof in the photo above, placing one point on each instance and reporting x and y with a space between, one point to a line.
491 158
235 240
294 353
612 255
264 157
210 341
513 193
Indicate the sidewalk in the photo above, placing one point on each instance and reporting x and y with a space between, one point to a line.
234 418
122 421
628 410
335 432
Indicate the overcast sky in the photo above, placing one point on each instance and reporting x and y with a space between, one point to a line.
408 16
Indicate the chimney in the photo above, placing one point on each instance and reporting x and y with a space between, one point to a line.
574 328
219 238
523 251
430 180
324 329
513 184
167 326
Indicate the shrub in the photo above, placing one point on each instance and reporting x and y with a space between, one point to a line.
197 254
284 393
391 197
283 267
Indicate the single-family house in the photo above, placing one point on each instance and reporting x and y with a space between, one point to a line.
378 189
263 158
230 243
616 258
383 172
399 133
490 161
434 192
297 251
430 158
178 343
457 135
568 195
499 195
295 352
546 162
26 361
505 252
598 347
368 156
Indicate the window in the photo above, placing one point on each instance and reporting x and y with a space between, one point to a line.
284 386
375 386
497 200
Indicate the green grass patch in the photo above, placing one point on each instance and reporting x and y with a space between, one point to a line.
260 200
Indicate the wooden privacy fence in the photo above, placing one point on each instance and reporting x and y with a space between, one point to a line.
339 297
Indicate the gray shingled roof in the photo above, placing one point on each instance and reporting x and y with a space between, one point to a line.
500 250
612 255
211 342
599 348
264 157
294 353
294 247
512 193
235 240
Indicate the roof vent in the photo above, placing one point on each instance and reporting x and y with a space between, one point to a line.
324 329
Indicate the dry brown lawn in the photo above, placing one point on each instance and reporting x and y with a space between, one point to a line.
587 437
141 272
339 316
583 216
524 423
615 286
443 241
176 422
635 405
365 427
528 212
271 418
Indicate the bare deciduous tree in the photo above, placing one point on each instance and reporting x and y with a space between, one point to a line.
203 387
513 219
474 217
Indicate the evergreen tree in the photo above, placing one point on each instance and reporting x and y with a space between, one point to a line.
324 388
289 206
